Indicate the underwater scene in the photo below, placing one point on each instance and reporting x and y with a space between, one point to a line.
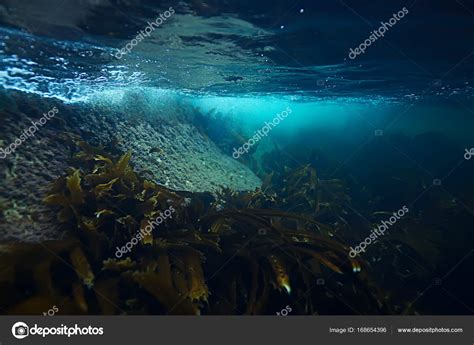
223 157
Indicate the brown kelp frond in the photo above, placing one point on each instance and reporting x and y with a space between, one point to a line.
281 252
45 271
296 195
282 280
81 266
73 183
300 189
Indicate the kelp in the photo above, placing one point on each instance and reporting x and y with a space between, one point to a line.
237 247
281 259
29 277
408 251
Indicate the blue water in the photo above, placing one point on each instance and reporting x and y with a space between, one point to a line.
252 60
401 111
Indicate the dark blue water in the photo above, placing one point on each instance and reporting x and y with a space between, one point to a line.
252 57
395 121
296 48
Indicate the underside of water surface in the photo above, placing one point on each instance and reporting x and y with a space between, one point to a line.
236 157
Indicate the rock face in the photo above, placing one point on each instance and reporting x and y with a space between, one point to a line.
182 159
172 153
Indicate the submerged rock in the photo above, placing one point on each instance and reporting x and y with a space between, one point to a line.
186 159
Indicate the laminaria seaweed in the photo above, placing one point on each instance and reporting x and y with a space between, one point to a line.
205 255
